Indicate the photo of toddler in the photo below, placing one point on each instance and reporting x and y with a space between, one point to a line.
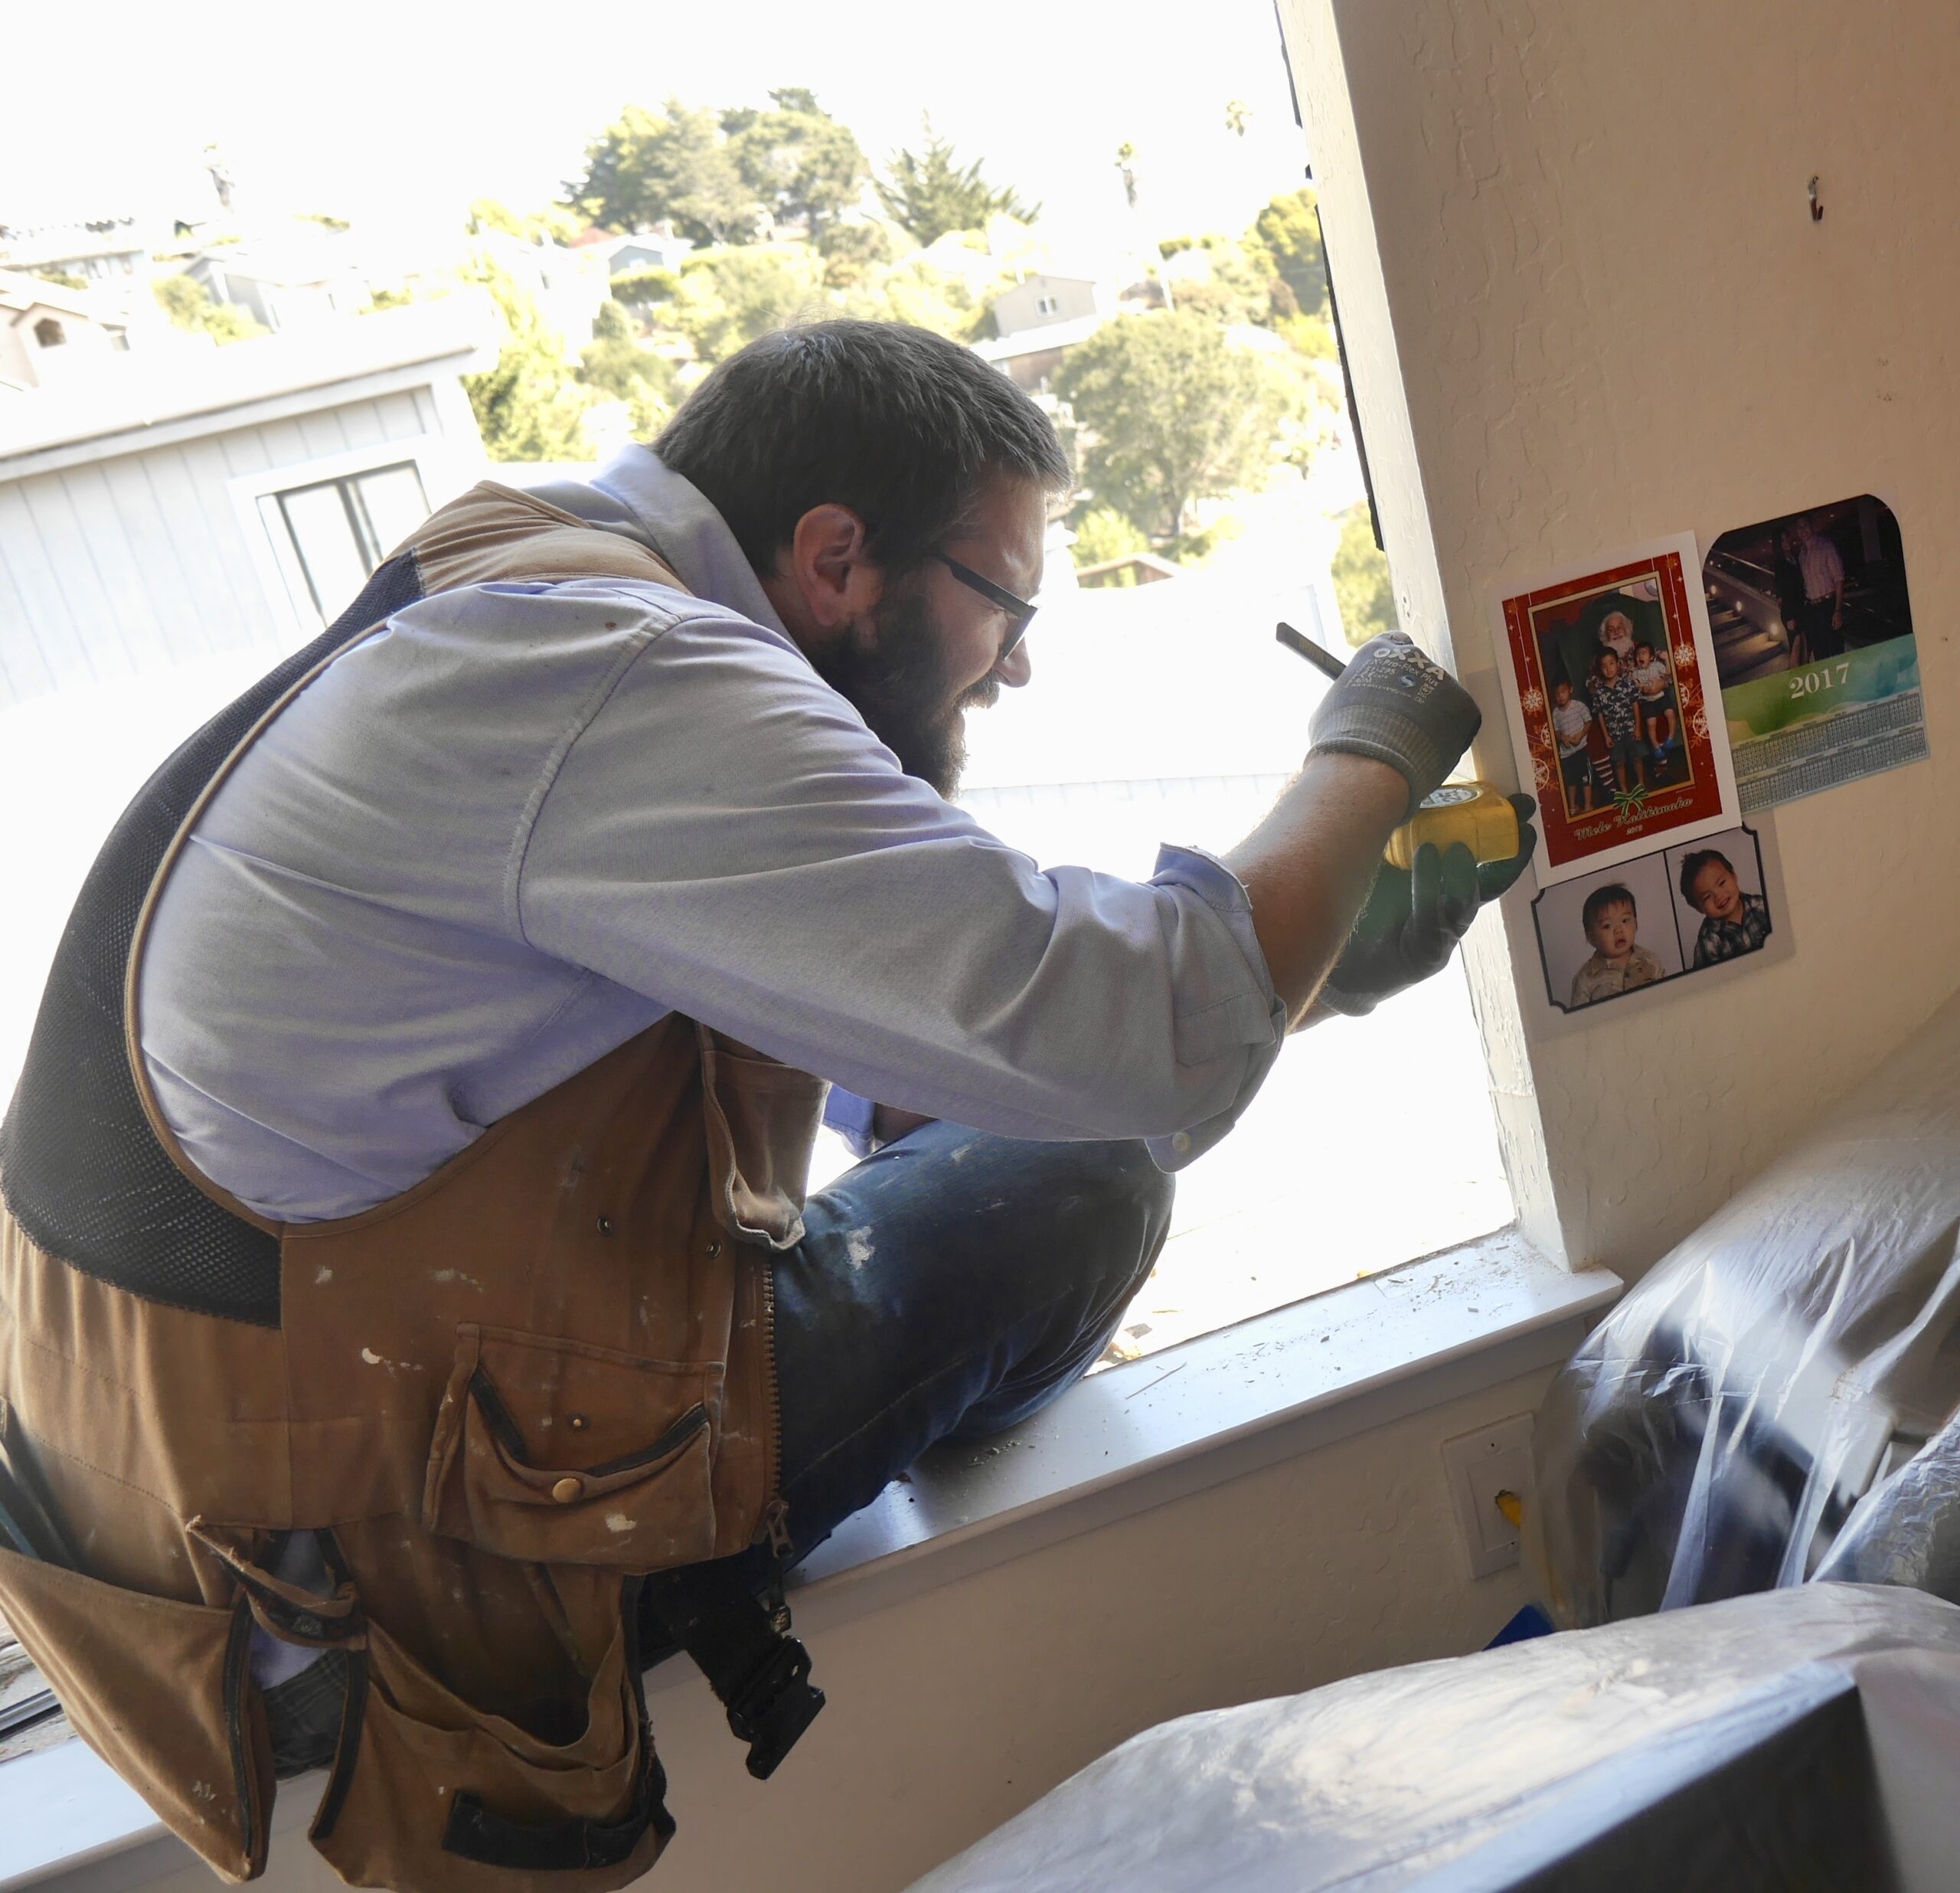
1656 701
1734 921
1679 913
1611 919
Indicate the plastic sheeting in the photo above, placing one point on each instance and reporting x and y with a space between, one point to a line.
1807 1739
1777 1400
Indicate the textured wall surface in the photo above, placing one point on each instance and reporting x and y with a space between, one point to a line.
1587 304
953 1711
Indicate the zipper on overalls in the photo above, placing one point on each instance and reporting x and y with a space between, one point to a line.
774 1525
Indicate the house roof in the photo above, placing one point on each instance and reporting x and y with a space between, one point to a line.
34 245
294 263
21 294
1039 340
192 390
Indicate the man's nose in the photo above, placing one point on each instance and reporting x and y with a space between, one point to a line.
1014 669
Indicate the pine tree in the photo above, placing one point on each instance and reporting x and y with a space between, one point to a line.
929 194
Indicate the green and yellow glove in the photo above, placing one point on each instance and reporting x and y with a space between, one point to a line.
1414 918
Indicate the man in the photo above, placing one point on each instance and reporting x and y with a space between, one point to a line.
1820 621
409 1160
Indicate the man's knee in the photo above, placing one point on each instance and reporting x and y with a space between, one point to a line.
1114 1202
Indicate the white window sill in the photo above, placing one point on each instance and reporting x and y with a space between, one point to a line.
1151 1430
1137 1435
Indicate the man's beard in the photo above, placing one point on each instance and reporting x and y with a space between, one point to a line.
901 688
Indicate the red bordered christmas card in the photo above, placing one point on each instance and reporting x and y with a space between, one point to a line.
1613 708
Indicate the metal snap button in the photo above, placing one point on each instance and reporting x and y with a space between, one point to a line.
605 1225
713 1250
577 1422
567 1490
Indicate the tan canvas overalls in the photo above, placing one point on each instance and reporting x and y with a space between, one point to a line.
545 1368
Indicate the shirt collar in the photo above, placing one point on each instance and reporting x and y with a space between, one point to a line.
680 524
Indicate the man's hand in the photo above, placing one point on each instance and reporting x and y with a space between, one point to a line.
1393 705
1413 919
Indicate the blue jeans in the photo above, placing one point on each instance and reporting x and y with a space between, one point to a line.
948 1287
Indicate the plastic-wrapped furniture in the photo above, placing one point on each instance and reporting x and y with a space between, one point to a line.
1808 1738
1778 1399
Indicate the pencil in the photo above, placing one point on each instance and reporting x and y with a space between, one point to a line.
1298 641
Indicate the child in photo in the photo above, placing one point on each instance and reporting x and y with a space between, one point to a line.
1619 964
1732 923
1656 701
1615 699
1571 719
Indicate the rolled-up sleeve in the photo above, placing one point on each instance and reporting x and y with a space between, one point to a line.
724 834
1252 1015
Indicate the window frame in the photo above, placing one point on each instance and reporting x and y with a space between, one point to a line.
354 507
432 457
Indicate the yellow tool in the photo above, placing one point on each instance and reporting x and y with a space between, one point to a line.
1474 813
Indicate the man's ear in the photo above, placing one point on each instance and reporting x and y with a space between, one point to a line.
827 565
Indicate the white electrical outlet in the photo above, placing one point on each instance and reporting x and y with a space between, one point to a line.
1478 1467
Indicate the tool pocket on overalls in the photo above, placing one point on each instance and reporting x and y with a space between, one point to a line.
560 1453
426 1789
763 1118
160 1690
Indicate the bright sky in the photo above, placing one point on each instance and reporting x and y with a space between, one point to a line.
404 112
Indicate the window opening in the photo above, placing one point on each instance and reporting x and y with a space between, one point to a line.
1162 711
49 333
331 534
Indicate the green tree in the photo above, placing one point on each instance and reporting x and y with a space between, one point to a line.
646 166
641 287
929 193
917 291
729 297
1289 229
190 306
1242 286
798 160
1312 335
1104 534
555 223
61 278
619 364
1362 588
852 252
1172 413
529 407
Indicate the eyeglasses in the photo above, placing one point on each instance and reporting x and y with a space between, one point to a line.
1021 613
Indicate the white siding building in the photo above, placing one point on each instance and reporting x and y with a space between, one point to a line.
1037 300
50 336
174 507
299 283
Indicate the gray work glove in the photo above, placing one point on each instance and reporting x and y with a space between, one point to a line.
1414 918
1392 704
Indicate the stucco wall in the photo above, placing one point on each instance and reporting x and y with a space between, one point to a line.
1582 233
